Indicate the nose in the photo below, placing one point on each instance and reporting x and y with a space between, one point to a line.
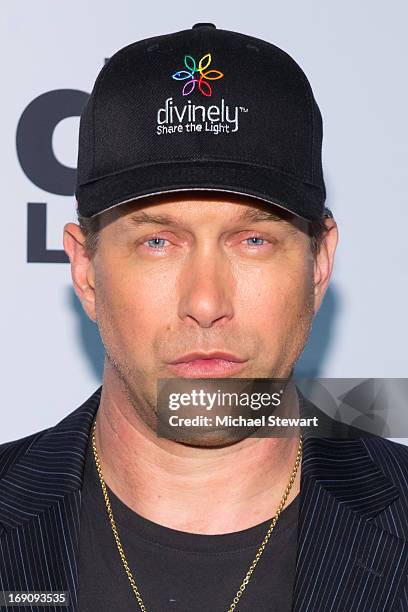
206 289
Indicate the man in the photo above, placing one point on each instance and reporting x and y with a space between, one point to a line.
203 250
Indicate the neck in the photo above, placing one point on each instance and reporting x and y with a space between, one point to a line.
197 490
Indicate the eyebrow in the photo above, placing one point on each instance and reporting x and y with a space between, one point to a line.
253 214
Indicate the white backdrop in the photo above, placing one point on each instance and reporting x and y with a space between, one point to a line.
354 54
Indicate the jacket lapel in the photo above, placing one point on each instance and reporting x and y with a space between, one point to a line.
344 562
40 504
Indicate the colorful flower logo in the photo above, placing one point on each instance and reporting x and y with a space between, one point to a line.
205 75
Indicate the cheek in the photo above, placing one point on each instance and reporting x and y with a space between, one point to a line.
276 294
130 303
278 308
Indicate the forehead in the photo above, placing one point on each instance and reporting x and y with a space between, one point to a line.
167 209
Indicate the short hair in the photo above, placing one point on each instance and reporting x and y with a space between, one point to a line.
90 227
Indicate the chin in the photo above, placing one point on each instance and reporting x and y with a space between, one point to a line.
214 439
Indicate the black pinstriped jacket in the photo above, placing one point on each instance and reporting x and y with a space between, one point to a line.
352 532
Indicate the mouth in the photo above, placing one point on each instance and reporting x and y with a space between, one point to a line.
206 365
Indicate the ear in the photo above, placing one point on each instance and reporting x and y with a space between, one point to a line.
82 268
323 264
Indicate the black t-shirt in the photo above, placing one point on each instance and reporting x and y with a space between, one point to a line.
175 570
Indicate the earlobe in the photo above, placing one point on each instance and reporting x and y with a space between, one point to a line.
82 269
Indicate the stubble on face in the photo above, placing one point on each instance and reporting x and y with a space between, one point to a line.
140 335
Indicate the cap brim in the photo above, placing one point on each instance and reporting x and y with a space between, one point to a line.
298 197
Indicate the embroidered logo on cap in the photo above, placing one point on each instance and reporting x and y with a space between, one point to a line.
191 73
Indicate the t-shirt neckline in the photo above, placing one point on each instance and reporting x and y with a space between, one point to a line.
133 525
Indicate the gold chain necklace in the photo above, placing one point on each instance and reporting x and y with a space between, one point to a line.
257 556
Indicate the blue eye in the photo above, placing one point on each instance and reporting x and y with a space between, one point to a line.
155 242
254 238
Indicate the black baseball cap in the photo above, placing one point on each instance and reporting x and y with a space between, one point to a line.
204 109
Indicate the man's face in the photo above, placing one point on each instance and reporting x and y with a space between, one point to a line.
196 272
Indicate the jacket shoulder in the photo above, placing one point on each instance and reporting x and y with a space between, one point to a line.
385 449
69 435
392 458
